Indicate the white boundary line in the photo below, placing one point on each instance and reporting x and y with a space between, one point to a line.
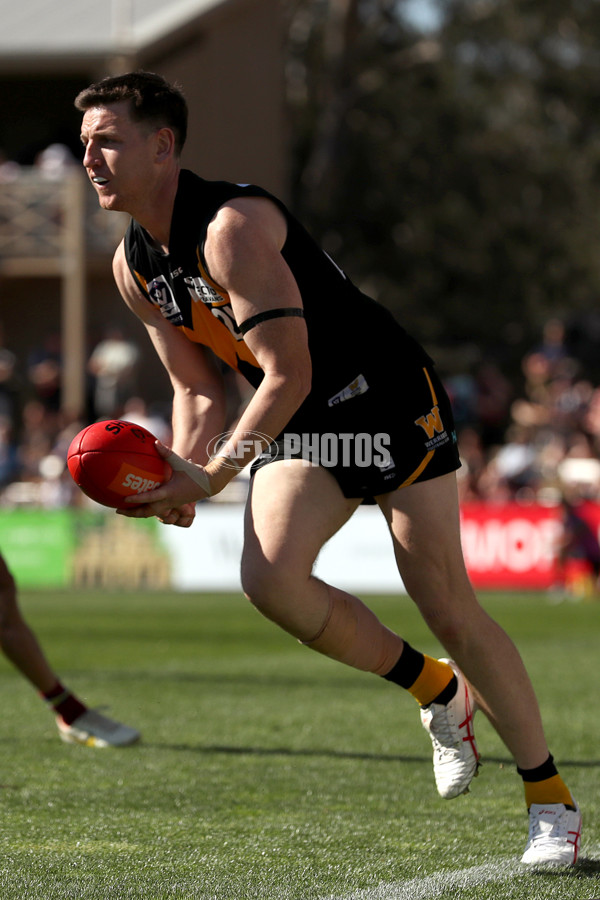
430 886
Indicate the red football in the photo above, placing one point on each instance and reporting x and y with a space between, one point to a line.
114 459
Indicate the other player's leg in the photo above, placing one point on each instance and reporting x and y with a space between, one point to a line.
76 723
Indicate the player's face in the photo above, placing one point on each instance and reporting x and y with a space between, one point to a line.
119 156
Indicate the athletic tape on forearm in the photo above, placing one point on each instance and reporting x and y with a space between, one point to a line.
197 474
230 461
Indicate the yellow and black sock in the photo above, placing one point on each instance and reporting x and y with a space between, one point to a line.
544 785
426 678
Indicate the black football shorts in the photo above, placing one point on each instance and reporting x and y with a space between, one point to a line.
376 434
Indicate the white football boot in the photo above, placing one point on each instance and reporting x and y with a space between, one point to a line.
92 729
450 727
554 835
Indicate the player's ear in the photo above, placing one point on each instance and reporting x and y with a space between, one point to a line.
165 144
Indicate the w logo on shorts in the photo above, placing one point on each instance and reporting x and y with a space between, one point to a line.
431 423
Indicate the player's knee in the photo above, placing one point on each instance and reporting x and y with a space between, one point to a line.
258 588
450 633
265 585
446 620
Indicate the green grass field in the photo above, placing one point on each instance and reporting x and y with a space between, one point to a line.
267 771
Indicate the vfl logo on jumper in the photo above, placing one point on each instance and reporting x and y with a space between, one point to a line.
162 296
356 387
433 427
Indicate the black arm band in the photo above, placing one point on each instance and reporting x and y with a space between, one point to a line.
270 314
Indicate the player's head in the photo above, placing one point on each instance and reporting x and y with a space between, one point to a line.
150 98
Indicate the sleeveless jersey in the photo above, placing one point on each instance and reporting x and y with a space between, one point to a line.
354 342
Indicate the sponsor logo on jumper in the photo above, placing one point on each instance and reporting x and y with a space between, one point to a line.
356 387
201 290
162 296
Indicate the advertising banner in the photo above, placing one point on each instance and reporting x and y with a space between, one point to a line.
38 545
506 547
63 548
515 546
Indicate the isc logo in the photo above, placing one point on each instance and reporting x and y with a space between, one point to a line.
139 484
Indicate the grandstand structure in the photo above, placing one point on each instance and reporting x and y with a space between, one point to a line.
53 230
56 246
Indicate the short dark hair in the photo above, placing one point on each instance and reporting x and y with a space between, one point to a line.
151 99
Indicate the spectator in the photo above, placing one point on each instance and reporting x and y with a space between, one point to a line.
493 393
9 169
578 554
516 458
553 344
136 410
38 436
590 419
55 161
9 451
112 366
9 389
473 459
44 373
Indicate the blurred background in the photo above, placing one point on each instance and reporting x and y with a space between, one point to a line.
445 152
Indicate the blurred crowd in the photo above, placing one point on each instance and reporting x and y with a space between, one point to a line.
35 433
532 438
51 162
533 441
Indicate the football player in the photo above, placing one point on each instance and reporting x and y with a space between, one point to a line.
347 408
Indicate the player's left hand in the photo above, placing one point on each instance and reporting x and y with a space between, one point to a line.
173 503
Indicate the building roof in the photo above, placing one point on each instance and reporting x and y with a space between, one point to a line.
47 29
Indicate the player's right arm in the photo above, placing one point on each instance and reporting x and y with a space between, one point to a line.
198 393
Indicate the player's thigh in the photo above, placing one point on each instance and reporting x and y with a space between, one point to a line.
293 508
424 522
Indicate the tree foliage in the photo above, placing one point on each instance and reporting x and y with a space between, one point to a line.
454 171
